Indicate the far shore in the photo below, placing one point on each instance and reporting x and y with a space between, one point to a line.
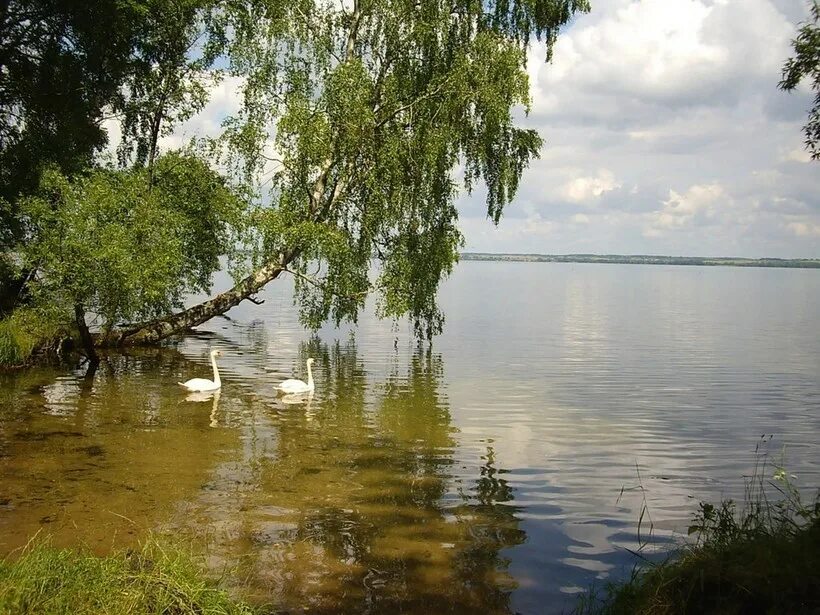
643 259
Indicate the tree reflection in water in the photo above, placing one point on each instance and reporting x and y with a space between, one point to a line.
354 505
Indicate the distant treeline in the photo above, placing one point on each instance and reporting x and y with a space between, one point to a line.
643 259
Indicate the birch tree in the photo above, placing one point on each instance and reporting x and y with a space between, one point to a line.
360 123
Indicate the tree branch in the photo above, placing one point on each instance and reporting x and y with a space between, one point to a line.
350 44
413 102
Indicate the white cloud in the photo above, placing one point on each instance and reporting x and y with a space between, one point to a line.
795 154
804 229
535 225
225 99
678 101
679 209
585 189
651 47
640 54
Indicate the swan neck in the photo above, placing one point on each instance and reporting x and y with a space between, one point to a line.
216 371
310 376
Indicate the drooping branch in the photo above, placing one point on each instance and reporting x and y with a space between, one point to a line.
319 284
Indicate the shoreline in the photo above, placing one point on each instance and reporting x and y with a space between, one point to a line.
642 259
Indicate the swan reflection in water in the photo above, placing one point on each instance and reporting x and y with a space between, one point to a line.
297 399
202 396
289 400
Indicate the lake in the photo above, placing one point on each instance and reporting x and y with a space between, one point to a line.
502 469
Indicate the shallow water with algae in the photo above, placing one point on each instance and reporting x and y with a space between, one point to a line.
502 469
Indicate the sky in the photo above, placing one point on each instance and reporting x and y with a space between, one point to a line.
665 133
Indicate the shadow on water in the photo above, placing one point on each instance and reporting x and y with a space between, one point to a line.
344 500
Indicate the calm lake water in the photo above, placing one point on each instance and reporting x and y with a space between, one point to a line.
503 469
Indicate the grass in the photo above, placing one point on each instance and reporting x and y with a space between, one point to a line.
16 345
156 579
23 333
761 558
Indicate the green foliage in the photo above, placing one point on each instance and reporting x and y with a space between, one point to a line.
60 69
764 558
156 579
125 248
69 65
762 573
15 344
806 65
171 75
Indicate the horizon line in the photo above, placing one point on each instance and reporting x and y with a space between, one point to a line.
780 258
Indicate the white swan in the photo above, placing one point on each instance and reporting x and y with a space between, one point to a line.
297 386
203 384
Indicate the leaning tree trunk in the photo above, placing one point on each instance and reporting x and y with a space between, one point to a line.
157 330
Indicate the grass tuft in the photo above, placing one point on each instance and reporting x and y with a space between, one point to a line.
156 579
762 558
24 332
